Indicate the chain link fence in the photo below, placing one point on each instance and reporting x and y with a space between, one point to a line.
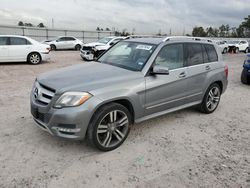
41 34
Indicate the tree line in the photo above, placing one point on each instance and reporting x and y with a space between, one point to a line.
242 31
21 23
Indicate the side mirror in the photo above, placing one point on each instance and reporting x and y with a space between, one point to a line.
158 69
57 40
112 43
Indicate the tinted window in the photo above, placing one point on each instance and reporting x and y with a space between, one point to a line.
171 56
205 56
194 54
3 41
18 41
62 39
211 52
70 39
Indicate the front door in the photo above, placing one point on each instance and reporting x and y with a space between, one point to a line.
164 92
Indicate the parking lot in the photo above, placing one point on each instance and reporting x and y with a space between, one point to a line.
182 149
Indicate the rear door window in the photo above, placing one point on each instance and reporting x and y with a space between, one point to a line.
211 52
194 54
70 38
18 41
3 41
62 39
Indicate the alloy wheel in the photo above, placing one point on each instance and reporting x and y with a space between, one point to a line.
112 129
213 98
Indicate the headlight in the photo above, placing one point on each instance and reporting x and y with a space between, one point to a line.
70 99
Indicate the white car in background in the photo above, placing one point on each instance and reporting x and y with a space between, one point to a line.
14 48
94 49
223 46
64 43
238 46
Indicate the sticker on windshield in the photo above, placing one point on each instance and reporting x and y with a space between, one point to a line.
144 47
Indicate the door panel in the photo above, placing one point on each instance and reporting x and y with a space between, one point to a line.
167 91
61 43
19 49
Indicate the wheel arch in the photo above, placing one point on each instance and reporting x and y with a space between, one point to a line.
122 101
220 83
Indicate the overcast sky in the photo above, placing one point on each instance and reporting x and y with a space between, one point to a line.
145 16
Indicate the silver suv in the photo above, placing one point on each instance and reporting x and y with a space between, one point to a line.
135 80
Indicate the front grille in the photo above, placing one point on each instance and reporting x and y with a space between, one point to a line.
43 94
43 117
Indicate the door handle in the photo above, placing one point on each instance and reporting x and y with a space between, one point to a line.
207 67
182 75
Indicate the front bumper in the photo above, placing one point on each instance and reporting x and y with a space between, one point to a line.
45 56
87 55
70 123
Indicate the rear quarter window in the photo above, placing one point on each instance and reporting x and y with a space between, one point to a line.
211 53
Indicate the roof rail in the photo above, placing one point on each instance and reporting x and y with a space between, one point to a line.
186 37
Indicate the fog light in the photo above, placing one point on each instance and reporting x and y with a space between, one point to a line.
67 130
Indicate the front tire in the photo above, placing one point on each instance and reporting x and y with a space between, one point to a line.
247 50
211 99
109 127
224 51
237 50
34 58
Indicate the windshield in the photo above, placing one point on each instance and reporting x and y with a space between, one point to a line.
129 55
105 40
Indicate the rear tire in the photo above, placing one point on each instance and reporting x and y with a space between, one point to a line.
53 47
247 50
224 51
109 127
237 50
211 99
34 58
244 77
78 47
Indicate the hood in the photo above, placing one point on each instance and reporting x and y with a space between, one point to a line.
233 44
93 44
86 77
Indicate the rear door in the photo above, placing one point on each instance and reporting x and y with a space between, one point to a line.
164 92
202 59
19 48
71 42
61 43
197 70
4 49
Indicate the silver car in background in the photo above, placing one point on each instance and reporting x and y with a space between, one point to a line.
64 43
135 80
